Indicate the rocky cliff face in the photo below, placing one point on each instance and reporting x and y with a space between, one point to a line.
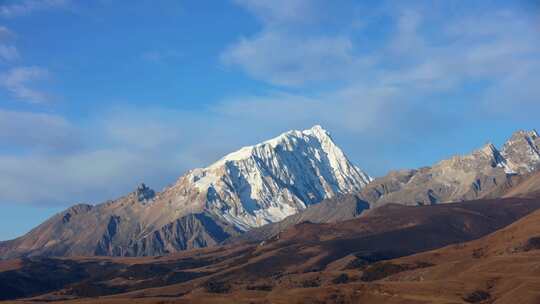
522 152
251 187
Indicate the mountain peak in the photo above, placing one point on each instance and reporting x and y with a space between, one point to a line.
316 131
268 181
524 134
522 151
489 148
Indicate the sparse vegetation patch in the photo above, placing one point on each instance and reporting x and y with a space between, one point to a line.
382 270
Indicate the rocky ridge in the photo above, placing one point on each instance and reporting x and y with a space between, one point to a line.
476 175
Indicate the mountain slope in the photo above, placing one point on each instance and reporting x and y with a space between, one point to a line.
528 187
499 268
249 188
337 209
294 267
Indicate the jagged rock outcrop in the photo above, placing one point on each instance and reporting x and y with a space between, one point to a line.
479 174
191 231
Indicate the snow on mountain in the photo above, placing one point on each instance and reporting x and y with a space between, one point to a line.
269 181
496 158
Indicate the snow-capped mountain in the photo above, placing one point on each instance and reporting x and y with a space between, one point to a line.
248 188
267 182
522 152
485 172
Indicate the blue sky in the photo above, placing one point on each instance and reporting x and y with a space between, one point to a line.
97 96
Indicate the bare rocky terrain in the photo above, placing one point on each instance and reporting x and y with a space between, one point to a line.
306 256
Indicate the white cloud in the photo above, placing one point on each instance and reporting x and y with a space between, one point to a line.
68 179
8 52
16 8
288 60
290 49
424 51
45 159
19 82
21 130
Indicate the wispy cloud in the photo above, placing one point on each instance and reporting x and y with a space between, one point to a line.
43 131
8 53
292 61
9 9
419 53
290 49
19 82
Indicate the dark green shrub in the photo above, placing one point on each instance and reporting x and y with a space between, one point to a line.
217 287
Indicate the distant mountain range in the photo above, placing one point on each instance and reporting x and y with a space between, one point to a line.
263 189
